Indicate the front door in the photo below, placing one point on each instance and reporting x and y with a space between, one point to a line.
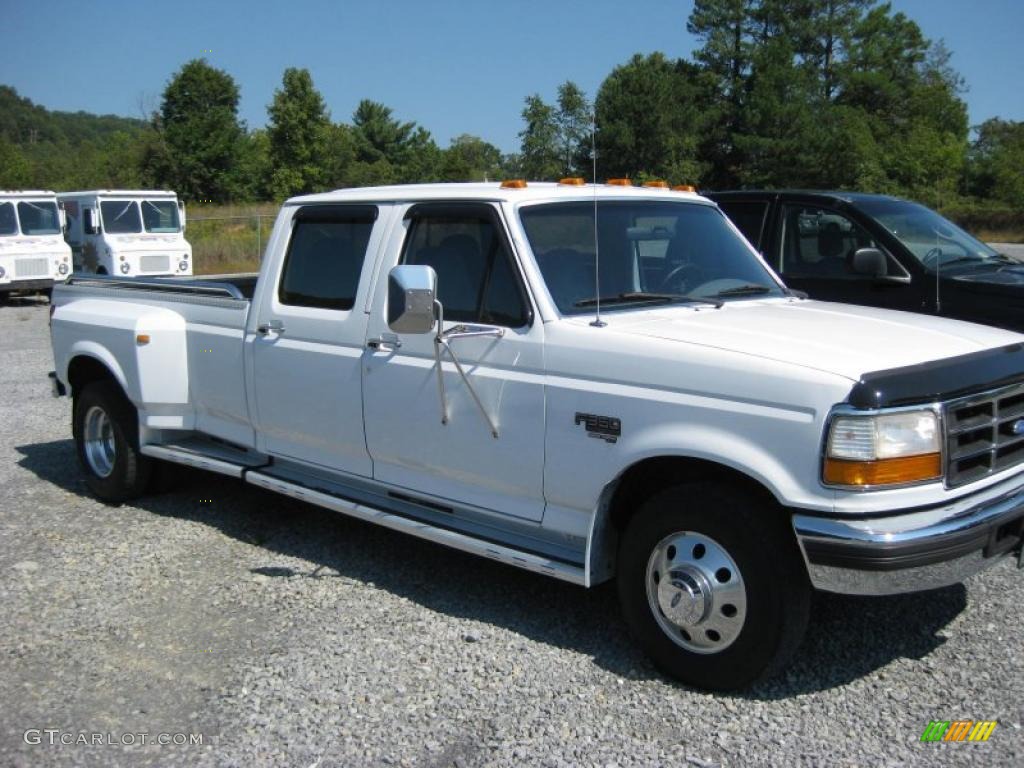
815 246
308 339
456 456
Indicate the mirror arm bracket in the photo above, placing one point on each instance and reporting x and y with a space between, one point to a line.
444 339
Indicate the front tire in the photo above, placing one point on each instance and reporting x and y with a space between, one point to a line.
105 426
712 586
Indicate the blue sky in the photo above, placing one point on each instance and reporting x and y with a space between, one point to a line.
454 66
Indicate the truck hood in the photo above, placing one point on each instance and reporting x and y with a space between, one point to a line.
841 339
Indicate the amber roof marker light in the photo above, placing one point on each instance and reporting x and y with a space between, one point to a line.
656 184
684 188
513 184
572 181
619 183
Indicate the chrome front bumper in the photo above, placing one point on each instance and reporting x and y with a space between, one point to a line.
916 550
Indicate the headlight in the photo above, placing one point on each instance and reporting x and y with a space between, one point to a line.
182 266
63 269
883 449
2 272
125 267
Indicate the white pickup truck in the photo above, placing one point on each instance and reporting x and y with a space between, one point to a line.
433 359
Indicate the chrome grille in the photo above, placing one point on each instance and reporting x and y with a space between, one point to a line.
155 262
32 267
982 434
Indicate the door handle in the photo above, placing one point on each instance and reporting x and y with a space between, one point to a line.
384 343
274 326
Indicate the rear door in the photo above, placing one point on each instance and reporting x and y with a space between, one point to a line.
310 332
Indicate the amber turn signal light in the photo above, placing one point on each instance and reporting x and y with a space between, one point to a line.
908 469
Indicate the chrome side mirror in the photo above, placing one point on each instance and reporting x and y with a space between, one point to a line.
412 292
871 262
181 215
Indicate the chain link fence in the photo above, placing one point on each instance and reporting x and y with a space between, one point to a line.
225 244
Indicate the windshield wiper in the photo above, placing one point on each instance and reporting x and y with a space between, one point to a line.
646 296
750 289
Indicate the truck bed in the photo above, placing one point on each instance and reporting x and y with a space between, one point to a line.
236 286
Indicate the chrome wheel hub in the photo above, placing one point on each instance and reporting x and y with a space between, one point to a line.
696 592
98 437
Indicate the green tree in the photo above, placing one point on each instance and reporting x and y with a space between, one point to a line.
574 120
15 170
389 151
648 120
470 158
199 122
996 162
540 153
297 133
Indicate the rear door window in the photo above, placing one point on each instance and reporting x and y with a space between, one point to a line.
748 217
325 256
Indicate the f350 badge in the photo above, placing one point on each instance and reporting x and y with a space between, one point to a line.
607 428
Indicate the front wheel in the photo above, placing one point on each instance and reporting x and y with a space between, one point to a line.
105 426
712 586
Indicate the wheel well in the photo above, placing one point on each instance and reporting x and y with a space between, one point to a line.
646 478
84 370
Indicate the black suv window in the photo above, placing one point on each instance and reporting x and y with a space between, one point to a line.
325 256
748 216
476 279
819 242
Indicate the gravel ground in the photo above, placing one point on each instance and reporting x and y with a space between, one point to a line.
288 635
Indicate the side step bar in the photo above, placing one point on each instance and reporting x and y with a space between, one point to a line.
461 541
189 458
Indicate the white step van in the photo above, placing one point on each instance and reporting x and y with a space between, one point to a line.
32 253
127 232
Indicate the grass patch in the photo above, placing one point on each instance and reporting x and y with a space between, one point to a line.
229 238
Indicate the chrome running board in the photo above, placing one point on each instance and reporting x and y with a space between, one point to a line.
454 539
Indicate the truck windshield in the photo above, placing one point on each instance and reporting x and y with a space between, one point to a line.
650 252
935 241
8 221
160 215
39 218
120 217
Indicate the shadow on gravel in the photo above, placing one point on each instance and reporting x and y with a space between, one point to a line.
848 637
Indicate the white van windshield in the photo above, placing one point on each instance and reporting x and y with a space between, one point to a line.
120 217
8 221
39 218
160 215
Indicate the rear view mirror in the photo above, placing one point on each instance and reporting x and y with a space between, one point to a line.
181 214
412 291
62 215
89 223
870 262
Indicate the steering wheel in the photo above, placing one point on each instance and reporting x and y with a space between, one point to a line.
683 275
931 258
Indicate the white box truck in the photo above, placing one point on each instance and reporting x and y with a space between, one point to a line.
127 232
32 254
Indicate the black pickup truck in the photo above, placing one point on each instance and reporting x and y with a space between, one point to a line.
881 251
